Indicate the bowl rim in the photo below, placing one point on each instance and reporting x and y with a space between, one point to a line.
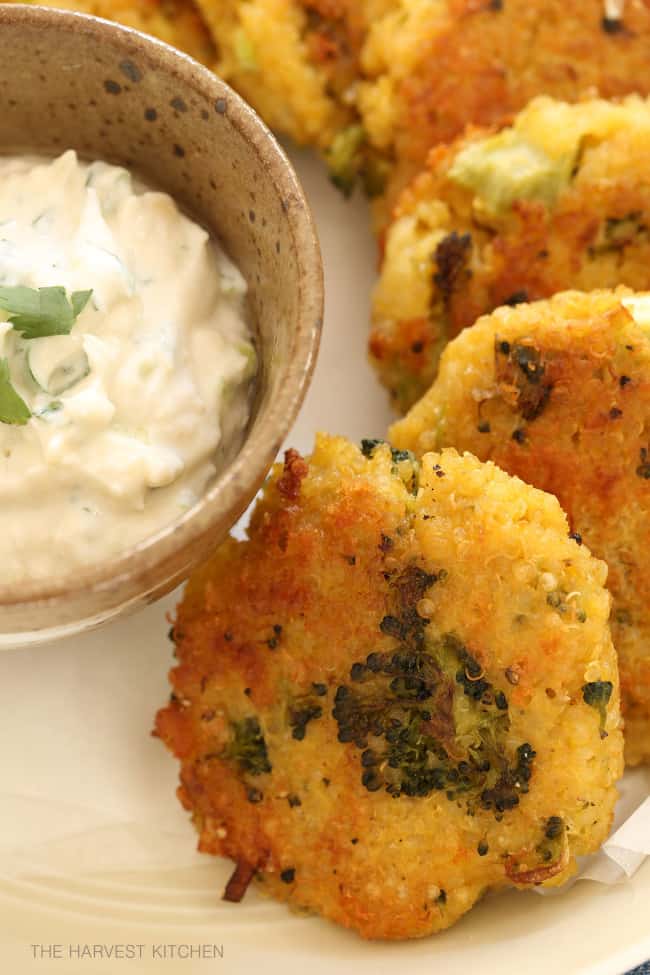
231 490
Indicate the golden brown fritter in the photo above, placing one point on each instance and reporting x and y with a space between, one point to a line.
558 393
561 199
399 692
175 21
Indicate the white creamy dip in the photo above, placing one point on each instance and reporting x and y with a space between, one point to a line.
130 410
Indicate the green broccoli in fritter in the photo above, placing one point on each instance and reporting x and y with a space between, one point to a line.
401 709
247 747
345 158
301 712
597 694
350 159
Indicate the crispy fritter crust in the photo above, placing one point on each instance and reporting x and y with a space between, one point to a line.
558 393
414 677
448 259
175 21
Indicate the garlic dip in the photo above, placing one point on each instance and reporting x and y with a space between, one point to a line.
125 363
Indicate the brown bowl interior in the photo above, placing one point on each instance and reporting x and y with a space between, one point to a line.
70 81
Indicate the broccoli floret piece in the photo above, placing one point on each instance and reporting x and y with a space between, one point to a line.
350 159
368 447
409 475
551 845
398 709
301 712
406 699
247 747
554 827
511 784
597 694
522 368
345 158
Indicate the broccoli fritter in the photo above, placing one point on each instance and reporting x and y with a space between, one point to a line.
175 21
560 199
380 709
558 393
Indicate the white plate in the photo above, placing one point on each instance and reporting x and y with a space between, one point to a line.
97 855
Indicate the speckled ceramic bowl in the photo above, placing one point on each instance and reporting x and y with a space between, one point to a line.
72 81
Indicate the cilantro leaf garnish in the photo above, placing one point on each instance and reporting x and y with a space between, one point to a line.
46 311
13 408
